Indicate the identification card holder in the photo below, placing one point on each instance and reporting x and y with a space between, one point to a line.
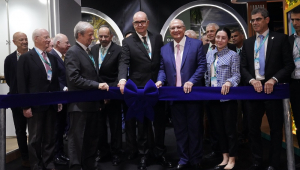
256 64
214 82
297 62
49 75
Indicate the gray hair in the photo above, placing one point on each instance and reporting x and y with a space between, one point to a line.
140 12
36 33
105 26
192 32
262 11
57 37
80 27
216 26
176 19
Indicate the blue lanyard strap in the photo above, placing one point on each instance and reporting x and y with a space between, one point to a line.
46 62
261 43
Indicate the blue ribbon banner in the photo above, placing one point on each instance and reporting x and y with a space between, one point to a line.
141 101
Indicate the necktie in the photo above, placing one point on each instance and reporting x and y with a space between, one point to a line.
18 55
262 56
146 45
178 66
46 65
213 46
238 50
91 56
63 57
102 50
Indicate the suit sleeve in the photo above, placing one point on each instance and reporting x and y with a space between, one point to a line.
7 69
201 62
73 67
288 62
246 75
124 61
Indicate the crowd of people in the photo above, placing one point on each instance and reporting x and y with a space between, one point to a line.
262 61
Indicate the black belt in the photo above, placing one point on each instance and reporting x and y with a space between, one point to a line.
295 80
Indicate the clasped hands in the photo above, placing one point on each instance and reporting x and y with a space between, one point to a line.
268 86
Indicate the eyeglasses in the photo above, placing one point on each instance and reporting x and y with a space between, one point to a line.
297 20
137 23
256 19
178 28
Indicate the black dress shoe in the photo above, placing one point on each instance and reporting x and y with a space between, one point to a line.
255 166
132 155
220 166
116 160
143 164
270 168
60 161
213 155
64 157
164 162
182 166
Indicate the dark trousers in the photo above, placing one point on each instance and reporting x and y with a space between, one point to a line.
147 140
225 120
188 128
274 111
83 140
111 111
60 125
295 102
41 139
213 137
20 122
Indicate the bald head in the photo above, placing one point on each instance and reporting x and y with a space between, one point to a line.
61 43
41 38
21 41
140 23
140 14
191 34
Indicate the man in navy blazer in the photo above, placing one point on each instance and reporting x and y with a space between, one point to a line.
10 72
60 47
183 64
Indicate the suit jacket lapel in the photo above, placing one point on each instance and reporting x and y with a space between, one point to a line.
88 57
251 52
185 51
269 46
109 53
36 58
172 55
139 43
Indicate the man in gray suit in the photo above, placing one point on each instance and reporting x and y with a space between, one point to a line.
82 74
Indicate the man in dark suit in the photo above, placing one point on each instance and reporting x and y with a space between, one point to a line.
266 60
61 45
38 72
10 73
141 54
184 58
82 74
109 54
295 77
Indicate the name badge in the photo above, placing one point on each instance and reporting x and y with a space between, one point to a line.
213 82
49 75
297 62
256 64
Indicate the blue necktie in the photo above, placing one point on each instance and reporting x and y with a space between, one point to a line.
262 56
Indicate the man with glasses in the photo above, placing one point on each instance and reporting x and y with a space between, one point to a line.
141 54
295 77
187 57
266 61
37 72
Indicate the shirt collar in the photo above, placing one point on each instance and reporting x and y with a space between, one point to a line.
221 53
141 37
59 54
264 34
107 47
81 45
39 50
181 42
210 44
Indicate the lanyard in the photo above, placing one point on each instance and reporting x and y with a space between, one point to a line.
147 47
297 48
46 62
101 57
261 43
